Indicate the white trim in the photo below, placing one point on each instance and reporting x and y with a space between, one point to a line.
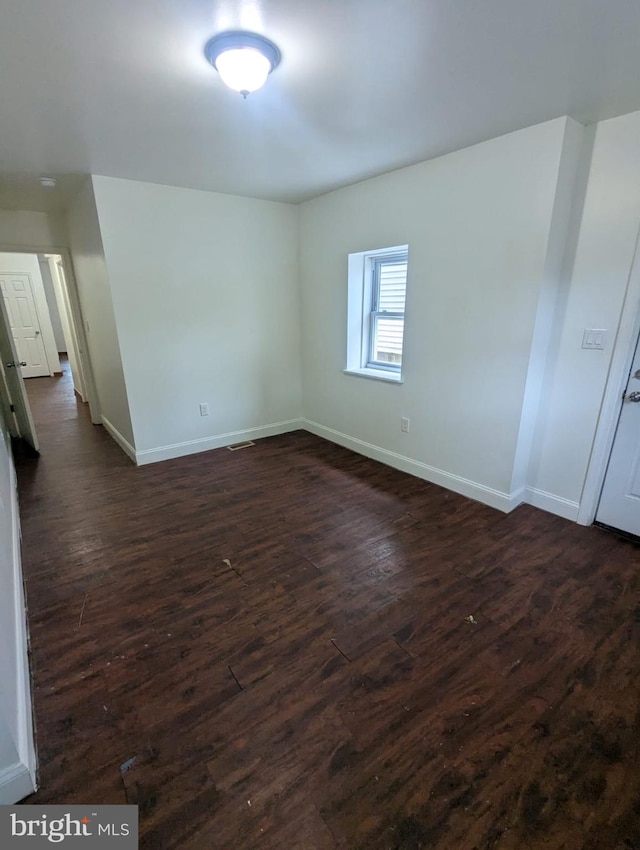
205 444
55 264
621 358
25 745
376 375
15 784
553 504
125 445
472 489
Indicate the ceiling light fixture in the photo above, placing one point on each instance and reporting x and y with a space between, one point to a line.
244 60
48 182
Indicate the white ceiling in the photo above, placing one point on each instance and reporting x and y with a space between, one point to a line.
121 87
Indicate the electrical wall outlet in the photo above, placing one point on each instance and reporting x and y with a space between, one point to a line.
204 410
404 424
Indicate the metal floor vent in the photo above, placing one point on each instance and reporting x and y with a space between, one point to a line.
236 446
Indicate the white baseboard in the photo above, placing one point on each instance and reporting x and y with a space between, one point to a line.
125 445
487 495
20 779
16 783
205 444
553 504
505 502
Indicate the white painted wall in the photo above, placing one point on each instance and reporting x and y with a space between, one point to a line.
572 179
17 749
54 312
478 223
24 229
205 293
577 377
203 287
28 264
97 309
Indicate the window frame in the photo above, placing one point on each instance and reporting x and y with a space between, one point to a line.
373 266
360 318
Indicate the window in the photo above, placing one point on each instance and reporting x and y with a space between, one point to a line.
386 321
377 291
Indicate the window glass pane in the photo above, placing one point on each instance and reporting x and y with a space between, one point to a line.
387 340
393 286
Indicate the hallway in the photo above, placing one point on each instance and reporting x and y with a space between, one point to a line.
292 646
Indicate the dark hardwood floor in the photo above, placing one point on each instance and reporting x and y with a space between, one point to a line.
291 646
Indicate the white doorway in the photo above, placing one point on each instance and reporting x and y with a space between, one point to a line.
56 313
619 505
53 269
29 315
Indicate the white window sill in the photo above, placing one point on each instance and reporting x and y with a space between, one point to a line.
376 375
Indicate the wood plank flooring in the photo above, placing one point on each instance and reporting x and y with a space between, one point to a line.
271 648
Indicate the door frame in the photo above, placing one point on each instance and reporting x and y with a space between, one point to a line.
624 345
13 386
55 265
76 316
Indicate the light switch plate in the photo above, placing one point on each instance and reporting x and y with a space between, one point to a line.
594 338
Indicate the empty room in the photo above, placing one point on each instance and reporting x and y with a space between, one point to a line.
319 384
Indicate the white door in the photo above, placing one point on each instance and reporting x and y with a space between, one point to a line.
14 383
620 500
17 292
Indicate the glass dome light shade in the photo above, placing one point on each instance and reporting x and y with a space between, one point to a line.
243 69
